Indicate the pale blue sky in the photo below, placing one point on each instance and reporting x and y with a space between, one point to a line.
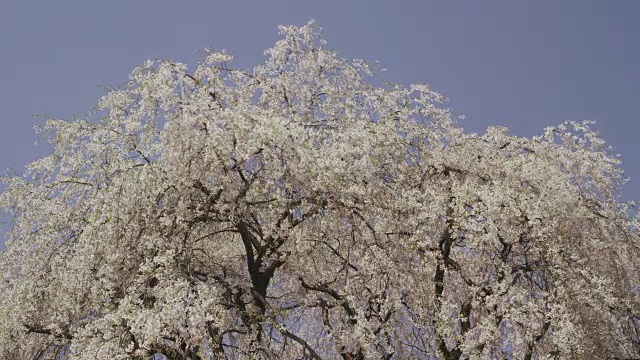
521 64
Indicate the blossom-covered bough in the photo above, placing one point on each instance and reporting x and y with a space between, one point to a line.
295 211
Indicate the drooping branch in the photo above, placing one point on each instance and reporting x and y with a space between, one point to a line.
300 341
37 329
444 244
335 295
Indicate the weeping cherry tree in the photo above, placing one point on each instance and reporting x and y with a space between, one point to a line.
296 211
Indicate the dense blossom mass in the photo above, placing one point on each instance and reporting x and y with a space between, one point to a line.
295 211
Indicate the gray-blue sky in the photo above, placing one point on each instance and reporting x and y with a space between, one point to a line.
521 64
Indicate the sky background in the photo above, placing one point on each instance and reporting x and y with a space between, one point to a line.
521 64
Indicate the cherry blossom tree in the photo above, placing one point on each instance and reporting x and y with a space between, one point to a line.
296 211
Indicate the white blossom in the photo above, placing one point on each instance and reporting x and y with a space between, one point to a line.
297 211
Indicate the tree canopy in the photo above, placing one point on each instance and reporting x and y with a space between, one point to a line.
297 211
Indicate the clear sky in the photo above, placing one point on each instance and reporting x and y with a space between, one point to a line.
524 64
